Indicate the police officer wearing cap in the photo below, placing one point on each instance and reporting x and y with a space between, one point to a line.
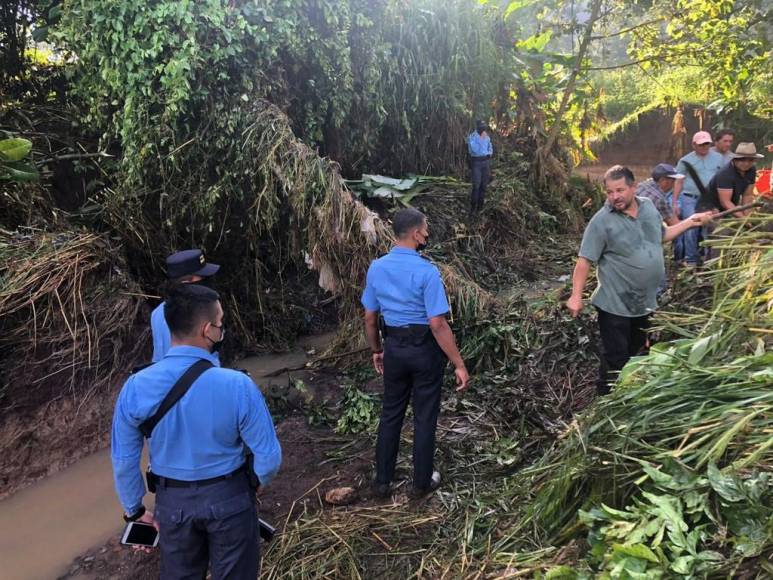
205 503
407 290
185 267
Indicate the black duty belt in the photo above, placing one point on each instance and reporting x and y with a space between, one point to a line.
412 330
169 482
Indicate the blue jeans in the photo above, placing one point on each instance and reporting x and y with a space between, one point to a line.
690 239
215 525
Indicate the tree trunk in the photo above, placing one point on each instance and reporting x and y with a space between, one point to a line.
583 49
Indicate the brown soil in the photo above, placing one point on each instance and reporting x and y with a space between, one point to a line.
52 438
644 144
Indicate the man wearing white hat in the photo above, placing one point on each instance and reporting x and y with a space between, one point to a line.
698 167
733 185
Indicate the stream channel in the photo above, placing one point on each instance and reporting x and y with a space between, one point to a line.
45 526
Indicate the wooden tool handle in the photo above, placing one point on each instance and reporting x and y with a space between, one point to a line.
737 209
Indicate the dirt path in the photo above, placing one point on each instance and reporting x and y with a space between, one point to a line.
45 526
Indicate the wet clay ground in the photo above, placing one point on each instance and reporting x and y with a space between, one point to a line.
47 524
307 473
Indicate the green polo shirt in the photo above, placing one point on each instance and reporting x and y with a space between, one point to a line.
629 255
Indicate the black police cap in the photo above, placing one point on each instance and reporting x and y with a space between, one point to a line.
189 263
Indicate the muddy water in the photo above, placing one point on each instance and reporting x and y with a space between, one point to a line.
45 526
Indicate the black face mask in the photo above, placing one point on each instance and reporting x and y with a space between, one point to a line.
423 246
217 344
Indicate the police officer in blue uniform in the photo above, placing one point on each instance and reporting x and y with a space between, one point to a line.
185 267
481 150
407 290
205 502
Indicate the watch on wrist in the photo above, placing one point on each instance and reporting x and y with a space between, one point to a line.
135 516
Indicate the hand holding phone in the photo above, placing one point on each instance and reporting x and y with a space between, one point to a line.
140 534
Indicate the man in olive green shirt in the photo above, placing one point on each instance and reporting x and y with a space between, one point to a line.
625 239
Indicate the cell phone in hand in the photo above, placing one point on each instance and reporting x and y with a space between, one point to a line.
266 530
140 534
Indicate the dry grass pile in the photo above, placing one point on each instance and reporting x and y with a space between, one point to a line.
69 317
267 208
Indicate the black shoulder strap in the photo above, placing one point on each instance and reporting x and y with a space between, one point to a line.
175 394
695 178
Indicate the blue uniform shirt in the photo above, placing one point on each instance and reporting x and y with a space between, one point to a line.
479 146
405 288
204 435
162 336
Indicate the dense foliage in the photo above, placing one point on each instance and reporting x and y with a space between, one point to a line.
373 84
640 55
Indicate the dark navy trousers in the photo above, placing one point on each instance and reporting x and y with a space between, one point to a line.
481 175
413 369
215 525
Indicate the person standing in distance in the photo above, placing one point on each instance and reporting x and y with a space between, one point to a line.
723 144
625 239
698 168
185 267
481 150
205 503
407 290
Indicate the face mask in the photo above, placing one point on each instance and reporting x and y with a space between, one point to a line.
423 246
217 344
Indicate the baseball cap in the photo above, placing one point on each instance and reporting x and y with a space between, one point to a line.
665 170
702 137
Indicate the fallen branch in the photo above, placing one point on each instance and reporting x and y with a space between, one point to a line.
278 372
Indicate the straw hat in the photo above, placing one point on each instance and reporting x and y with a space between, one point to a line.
746 151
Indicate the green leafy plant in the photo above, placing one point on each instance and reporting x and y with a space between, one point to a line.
359 411
13 166
670 529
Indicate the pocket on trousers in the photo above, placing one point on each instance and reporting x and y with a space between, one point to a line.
167 516
234 521
232 506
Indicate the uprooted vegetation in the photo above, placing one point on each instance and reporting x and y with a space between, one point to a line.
164 133
232 164
669 476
